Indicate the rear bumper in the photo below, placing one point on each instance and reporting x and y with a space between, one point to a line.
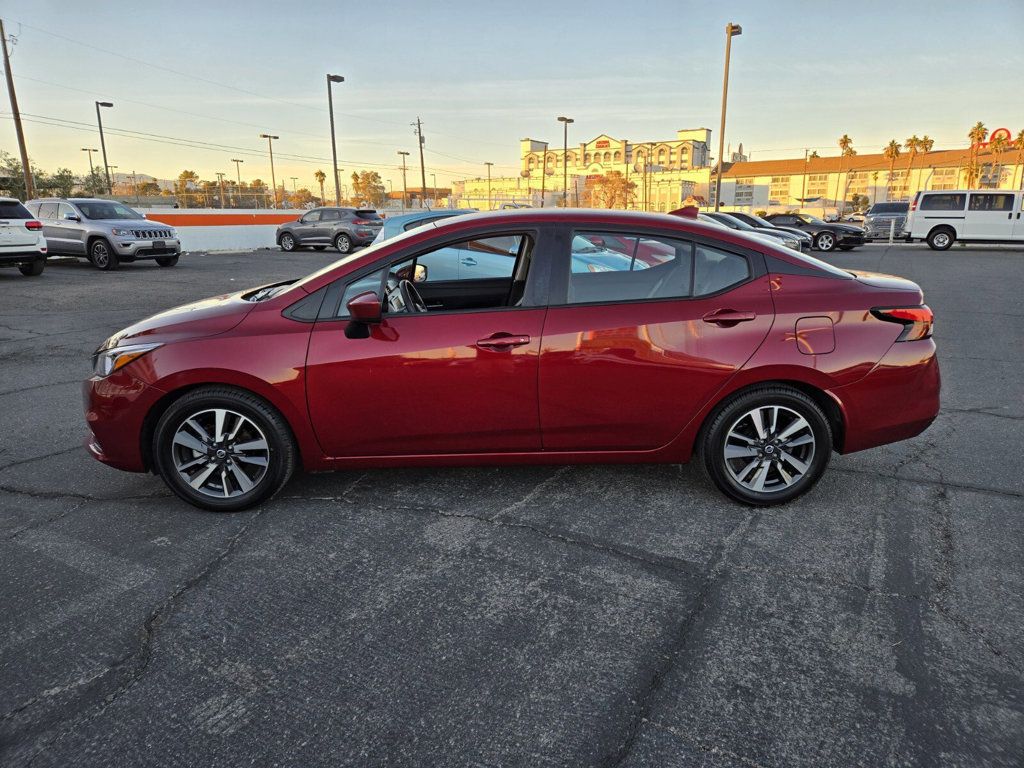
115 411
13 258
898 400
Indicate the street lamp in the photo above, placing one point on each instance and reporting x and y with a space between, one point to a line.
103 144
273 180
90 151
565 158
334 147
731 31
238 174
405 189
489 206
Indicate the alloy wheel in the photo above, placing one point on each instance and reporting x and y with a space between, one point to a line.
769 448
100 255
220 453
826 242
287 242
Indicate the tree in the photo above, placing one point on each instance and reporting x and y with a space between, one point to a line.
12 180
186 189
149 189
997 146
320 177
892 154
612 190
814 155
62 183
1018 144
302 198
977 135
95 183
367 187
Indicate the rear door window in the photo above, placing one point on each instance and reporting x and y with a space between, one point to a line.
944 202
611 267
330 215
48 211
985 201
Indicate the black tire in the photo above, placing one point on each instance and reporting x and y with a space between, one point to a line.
941 238
847 247
167 261
288 242
33 269
343 243
103 256
319 247
825 241
281 454
732 415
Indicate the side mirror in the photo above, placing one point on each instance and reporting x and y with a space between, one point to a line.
71 217
420 274
365 308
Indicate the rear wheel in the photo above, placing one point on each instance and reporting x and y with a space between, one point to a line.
287 242
825 241
102 255
343 243
846 247
35 269
767 446
167 261
941 238
223 449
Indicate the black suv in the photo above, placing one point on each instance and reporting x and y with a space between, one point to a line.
344 228
827 236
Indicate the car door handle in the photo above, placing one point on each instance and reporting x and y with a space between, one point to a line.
469 261
502 342
728 317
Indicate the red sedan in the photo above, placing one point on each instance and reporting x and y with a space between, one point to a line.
524 337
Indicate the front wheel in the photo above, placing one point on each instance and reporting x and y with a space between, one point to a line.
767 446
287 242
102 255
343 243
35 269
167 261
825 241
223 449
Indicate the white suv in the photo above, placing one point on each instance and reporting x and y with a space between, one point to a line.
22 244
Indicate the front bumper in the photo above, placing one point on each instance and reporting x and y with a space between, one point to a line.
146 249
850 238
115 412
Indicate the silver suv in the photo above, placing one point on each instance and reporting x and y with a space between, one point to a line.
104 231
880 218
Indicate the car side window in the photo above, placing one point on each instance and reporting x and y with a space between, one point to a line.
488 258
310 218
48 211
64 210
33 208
985 201
715 270
943 202
783 220
330 215
614 267
370 282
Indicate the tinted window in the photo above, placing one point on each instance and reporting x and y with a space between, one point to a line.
991 202
715 270
311 217
783 220
612 267
943 202
878 208
12 209
48 211
368 214
330 215
370 282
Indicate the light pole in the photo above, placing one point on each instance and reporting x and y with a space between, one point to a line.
334 147
433 186
405 189
109 176
543 173
238 175
90 151
220 179
731 30
565 158
273 181
103 144
489 206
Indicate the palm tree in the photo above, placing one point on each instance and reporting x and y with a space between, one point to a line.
913 144
977 135
997 146
874 187
924 145
1018 144
892 154
320 177
847 150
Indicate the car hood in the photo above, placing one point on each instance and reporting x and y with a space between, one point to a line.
846 228
126 223
207 317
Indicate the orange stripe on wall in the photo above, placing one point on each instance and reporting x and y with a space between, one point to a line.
220 220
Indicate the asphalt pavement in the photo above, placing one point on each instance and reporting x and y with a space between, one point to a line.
534 616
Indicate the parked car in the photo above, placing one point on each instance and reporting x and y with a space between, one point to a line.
754 234
856 217
734 222
827 237
705 352
806 240
343 228
966 215
885 218
396 225
105 232
22 243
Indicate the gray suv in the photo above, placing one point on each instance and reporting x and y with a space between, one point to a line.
104 231
344 228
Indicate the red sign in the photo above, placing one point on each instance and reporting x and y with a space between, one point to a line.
603 144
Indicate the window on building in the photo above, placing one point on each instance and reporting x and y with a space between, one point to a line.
586 158
618 157
662 156
607 157
744 192
779 189
945 178
531 162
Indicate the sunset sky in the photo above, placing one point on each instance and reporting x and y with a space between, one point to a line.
204 79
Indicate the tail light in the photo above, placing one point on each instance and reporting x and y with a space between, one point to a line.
913 203
33 224
916 321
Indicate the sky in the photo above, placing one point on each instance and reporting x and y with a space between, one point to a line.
204 79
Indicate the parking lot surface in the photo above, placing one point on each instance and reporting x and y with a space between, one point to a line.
609 615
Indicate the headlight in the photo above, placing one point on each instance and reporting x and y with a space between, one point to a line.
121 232
106 361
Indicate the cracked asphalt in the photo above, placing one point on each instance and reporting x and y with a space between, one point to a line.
584 616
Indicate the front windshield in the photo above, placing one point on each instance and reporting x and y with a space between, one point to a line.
740 224
107 210
806 217
759 220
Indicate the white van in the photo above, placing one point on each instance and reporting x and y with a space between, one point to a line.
967 215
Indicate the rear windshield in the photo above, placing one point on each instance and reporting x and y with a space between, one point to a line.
889 208
367 214
12 209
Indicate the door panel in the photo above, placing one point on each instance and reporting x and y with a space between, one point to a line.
989 215
1018 218
420 384
629 376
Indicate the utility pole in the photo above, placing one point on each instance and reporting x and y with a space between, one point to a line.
238 175
405 189
273 180
334 147
543 173
490 206
565 159
220 178
135 187
423 168
26 170
294 179
803 184
731 30
90 151
103 144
